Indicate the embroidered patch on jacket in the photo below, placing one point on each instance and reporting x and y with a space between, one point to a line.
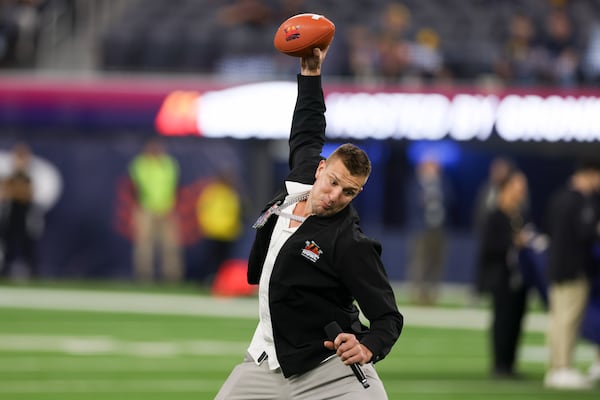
312 251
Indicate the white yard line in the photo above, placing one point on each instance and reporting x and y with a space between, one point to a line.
105 345
418 387
105 386
88 345
144 303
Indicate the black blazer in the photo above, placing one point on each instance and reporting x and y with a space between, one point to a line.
572 219
496 266
325 266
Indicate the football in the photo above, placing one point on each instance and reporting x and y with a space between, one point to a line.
301 33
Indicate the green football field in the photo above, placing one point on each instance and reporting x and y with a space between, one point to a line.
65 344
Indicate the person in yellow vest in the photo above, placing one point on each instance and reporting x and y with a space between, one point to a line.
155 175
219 210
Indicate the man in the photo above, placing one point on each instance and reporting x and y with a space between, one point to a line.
504 236
155 175
573 228
219 208
21 222
312 262
428 202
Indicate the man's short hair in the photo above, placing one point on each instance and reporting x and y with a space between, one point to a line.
354 158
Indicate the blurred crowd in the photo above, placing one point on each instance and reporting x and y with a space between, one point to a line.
536 42
533 42
19 32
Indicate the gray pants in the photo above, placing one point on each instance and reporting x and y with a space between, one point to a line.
330 380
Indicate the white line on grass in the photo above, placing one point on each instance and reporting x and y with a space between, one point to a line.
83 345
584 352
107 386
18 362
104 345
405 386
143 303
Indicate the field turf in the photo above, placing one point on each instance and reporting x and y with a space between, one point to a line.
69 350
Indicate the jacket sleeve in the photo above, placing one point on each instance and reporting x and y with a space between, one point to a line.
363 273
307 135
306 141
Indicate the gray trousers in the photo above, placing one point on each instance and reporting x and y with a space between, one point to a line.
330 380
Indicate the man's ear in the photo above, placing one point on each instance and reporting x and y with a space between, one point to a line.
321 167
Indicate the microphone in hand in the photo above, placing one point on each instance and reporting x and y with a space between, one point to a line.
332 330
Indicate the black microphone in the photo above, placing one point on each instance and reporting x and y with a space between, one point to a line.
333 329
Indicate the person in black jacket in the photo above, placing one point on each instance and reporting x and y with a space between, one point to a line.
573 227
313 263
504 234
20 218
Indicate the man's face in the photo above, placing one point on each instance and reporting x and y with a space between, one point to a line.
334 188
518 188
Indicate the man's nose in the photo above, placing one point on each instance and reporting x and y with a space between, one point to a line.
335 195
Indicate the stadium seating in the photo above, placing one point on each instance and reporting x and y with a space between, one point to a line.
187 36
230 37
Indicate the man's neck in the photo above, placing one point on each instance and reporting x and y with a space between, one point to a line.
299 211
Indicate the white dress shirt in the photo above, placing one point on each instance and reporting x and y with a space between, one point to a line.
262 341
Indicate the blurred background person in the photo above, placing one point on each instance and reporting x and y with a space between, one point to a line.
362 53
249 26
487 194
19 32
392 41
486 202
561 65
573 227
520 58
155 174
429 198
427 59
503 235
20 220
591 55
220 217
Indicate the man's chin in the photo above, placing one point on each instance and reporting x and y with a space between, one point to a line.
327 212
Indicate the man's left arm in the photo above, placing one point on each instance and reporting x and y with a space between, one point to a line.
364 275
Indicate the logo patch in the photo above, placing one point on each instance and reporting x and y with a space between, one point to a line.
311 251
292 32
